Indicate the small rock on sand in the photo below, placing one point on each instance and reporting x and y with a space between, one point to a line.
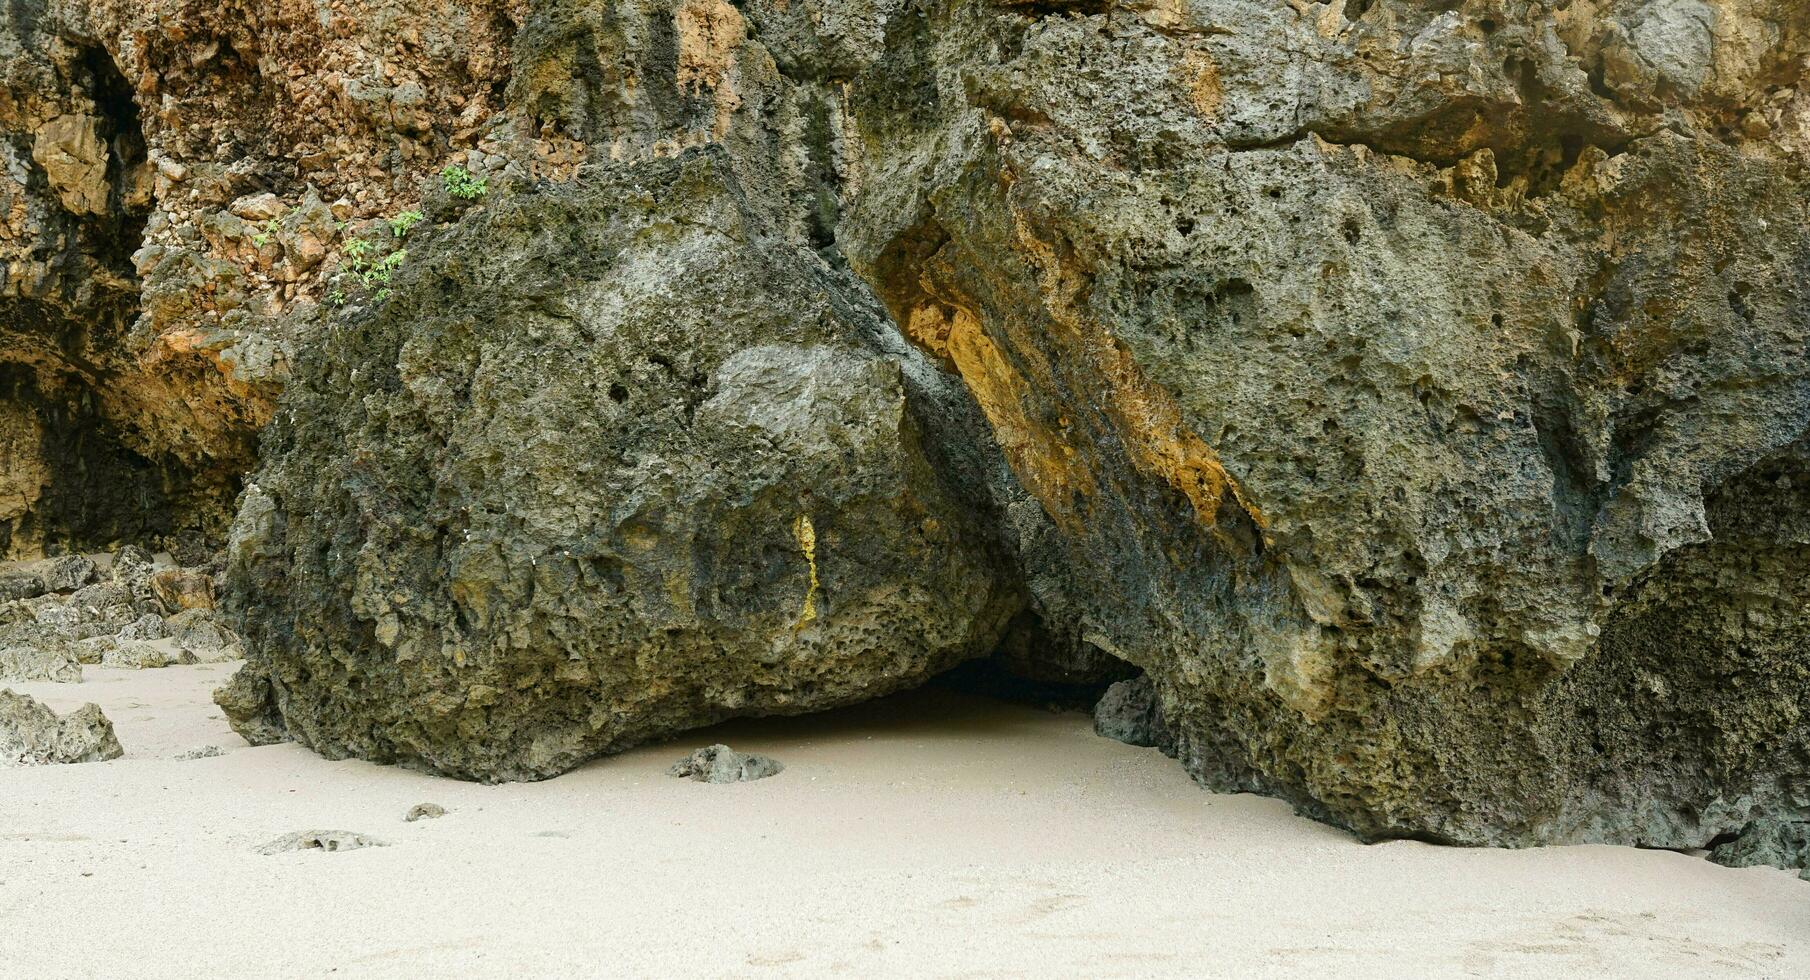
31 734
425 811
320 840
1129 712
721 764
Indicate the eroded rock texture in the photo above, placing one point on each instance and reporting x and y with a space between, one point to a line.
606 466
57 614
1415 392
175 178
33 735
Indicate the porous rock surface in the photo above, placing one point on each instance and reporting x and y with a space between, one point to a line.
72 610
326 841
1418 394
722 764
33 735
1415 392
603 468
1129 712
176 179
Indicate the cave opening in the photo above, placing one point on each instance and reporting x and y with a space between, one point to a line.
128 175
79 468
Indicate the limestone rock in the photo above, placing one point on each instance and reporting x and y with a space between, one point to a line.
559 495
20 585
1409 489
1129 712
721 764
38 663
183 589
424 811
66 573
1780 844
31 734
138 358
329 841
147 655
200 631
70 150
258 207
1417 393
147 627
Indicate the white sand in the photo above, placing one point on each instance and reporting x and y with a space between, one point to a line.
931 834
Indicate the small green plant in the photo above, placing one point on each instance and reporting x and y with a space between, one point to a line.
262 238
358 252
379 271
367 260
400 224
461 184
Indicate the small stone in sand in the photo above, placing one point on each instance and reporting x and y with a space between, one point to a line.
205 752
320 840
425 811
721 764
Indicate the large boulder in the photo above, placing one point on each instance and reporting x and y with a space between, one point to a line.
608 464
1419 395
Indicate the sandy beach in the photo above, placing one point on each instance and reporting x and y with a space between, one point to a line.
929 834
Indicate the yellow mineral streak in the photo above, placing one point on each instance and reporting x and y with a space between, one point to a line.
1155 435
1039 454
1007 360
709 32
806 535
1200 78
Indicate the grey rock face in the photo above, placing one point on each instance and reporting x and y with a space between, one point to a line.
66 573
1130 712
1780 844
607 465
118 621
20 586
150 626
200 631
721 764
29 580
142 655
31 734
1424 418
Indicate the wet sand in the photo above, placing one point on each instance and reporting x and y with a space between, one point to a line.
929 834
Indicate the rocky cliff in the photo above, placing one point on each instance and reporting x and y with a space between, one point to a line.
1415 391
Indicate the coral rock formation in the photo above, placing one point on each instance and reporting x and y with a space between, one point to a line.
1416 393
615 470
33 735
59 613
